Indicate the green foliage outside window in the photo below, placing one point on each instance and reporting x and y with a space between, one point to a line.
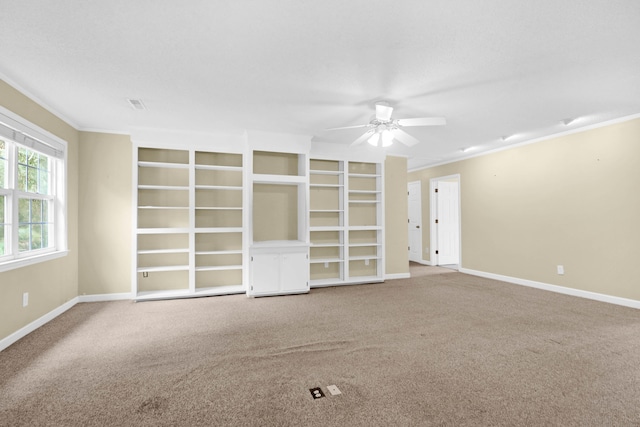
33 227
33 171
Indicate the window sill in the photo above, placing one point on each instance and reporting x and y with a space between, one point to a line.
23 262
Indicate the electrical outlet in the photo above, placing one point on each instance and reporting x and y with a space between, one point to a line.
366 262
561 269
326 265
25 299
316 392
426 250
333 390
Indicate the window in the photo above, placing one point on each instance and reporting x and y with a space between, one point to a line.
32 189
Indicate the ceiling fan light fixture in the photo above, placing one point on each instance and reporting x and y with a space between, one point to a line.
387 138
374 139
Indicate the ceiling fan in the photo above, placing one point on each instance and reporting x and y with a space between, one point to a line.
382 130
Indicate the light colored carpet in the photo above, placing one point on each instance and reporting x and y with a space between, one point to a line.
444 349
419 270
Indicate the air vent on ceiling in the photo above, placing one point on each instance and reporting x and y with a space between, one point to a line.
136 104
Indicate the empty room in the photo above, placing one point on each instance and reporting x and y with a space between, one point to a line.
342 213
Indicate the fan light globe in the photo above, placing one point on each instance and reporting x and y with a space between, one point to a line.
373 140
387 138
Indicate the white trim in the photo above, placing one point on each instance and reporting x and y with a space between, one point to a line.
555 288
32 259
420 225
24 331
531 141
395 276
24 126
97 130
38 101
188 140
106 297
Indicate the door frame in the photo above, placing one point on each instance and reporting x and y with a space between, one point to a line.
433 213
420 259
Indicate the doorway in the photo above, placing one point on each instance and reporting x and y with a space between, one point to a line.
445 221
414 189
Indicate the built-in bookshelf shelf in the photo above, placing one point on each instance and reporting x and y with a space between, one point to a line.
163 251
324 260
163 268
163 187
161 165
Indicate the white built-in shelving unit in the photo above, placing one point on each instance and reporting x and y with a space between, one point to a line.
189 223
258 214
279 250
346 217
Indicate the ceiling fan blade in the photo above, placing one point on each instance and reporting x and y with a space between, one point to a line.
347 127
383 112
405 138
423 121
362 139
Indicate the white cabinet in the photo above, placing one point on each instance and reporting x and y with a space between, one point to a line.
279 268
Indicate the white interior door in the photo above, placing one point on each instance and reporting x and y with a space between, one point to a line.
415 221
448 226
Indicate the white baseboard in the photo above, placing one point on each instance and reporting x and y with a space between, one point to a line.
555 288
105 297
397 276
22 332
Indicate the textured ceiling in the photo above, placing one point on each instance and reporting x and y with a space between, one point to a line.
492 68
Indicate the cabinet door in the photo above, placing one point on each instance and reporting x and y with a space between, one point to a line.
294 272
265 273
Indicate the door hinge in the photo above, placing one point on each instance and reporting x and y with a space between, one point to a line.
408 248
251 287
251 258
436 221
436 190
436 252
408 220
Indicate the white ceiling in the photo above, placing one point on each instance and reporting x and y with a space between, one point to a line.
492 68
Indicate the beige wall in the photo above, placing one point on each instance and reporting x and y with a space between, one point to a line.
52 283
396 214
105 213
571 200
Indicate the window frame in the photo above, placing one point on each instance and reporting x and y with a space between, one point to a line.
38 140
